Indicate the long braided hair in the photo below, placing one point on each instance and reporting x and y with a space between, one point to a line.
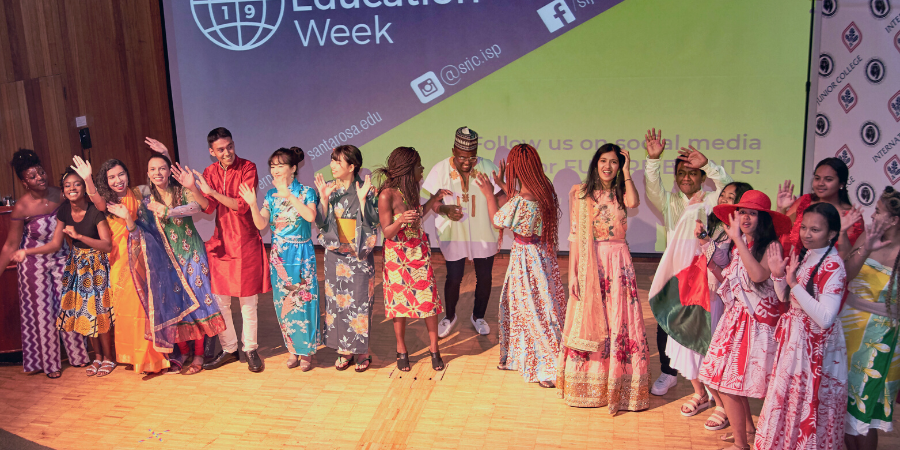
833 219
890 198
400 174
174 185
524 167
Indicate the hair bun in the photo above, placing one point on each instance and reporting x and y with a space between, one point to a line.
23 160
299 152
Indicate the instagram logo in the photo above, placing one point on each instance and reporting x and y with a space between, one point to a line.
427 87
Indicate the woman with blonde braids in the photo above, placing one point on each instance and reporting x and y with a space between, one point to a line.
533 300
409 284
870 321
604 362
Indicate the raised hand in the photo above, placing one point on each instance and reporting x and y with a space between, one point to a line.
247 193
733 229
324 188
440 194
156 208
453 212
791 274
654 142
777 262
693 157
156 146
699 229
409 216
117 209
81 167
483 183
183 175
627 167
500 178
852 216
281 187
696 198
363 189
874 235
785 197
202 184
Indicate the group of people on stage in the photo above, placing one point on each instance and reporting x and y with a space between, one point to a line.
801 312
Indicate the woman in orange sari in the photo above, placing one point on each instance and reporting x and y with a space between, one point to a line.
113 191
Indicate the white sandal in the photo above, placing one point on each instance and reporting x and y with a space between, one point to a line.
718 413
694 401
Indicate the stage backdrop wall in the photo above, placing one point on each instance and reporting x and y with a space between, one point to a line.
564 75
857 101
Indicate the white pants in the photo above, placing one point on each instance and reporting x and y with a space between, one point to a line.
228 338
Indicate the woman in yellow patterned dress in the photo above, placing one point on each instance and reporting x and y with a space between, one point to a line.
85 297
870 320
409 285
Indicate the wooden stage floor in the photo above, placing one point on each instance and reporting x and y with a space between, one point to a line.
470 405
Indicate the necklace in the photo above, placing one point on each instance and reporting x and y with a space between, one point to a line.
464 182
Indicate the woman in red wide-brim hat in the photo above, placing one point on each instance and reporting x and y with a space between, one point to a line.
739 360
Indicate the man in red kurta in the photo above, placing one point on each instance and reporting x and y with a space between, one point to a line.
237 259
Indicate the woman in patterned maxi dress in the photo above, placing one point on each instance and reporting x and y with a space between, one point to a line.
871 322
739 360
33 222
347 219
168 259
129 314
289 209
806 399
409 286
533 299
604 358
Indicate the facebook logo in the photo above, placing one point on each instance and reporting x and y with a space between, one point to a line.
556 15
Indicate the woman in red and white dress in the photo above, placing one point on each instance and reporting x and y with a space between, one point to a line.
743 346
807 398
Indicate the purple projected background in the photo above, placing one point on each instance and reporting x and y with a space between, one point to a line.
299 87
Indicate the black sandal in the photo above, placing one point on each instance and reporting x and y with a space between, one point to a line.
547 384
54 375
436 362
347 362
403 361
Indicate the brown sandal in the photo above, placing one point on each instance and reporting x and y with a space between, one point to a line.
192 369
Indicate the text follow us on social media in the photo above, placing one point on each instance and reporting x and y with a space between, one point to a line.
431 86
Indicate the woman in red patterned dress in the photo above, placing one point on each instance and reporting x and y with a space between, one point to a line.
409 285
829 186
743 346
807 397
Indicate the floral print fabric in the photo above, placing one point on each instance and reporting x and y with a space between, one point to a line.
295 288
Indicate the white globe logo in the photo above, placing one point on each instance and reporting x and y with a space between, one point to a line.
238 24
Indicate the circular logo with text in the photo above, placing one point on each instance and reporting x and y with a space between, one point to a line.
865 194
829 7
823 125
826 65
880 8
875 71
870 134
238 26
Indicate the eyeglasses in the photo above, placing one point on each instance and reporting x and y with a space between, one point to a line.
466 158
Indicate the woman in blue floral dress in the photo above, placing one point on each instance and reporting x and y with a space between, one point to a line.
289 209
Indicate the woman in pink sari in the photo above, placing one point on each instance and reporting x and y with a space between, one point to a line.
604 359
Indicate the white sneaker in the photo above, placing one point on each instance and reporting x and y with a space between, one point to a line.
663 383
446 326
480 325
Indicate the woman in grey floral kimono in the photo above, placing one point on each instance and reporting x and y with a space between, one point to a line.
347 218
